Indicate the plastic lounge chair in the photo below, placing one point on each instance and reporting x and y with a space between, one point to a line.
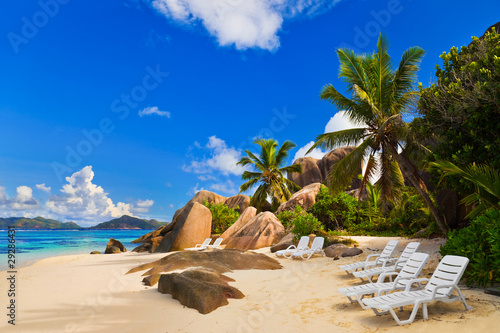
216 244
380 258
410 270
199 247
302 245
316 248
439 287
386 266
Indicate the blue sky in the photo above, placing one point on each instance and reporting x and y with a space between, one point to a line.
112 107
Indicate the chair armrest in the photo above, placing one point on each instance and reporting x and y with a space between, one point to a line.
453 285
384 261
382 276
370 256
291 247
412 281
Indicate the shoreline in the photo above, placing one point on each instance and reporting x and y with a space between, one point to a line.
90 293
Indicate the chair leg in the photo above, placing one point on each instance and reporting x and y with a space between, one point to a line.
409 320
424 311
462 298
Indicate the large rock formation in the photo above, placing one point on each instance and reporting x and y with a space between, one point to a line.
114 246
305 198
192 226
263 230
199 289
200 197
246 216
203 288
241 201
316 171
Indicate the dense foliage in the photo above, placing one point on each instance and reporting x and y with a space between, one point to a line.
222 216
480 242
300 222
462 109
269 173
334 212
377 98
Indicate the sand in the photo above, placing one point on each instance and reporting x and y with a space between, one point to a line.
90 293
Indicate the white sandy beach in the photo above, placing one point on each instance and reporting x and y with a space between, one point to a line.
90 293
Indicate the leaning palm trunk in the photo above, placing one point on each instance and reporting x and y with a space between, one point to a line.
413 176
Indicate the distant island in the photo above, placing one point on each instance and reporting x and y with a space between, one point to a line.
124 222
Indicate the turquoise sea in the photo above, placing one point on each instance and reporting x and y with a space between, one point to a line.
32 245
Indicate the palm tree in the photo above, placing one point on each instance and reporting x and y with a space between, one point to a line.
486 181
379 96
269 172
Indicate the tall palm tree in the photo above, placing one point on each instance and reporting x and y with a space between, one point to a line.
269 172
379 96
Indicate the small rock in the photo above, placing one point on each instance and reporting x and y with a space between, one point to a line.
95 252
114 246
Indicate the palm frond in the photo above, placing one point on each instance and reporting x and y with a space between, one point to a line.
349 137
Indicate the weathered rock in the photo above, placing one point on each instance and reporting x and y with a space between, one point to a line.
220 261
311 173
340 250
242 201
246 216
192 226
305 198
200 198
95 252
263 230
114 246
284 243
199 289
161 231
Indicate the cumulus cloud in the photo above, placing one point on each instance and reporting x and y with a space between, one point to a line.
153 110
42 187
242 23
340 122
227 187
222 159
142 206
316 152
23 200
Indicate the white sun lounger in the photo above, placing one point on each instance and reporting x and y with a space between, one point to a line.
410 270
438 288
216 244
199 247
316 248
302 245
380 258
386 266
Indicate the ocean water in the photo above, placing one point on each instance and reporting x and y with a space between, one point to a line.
32 245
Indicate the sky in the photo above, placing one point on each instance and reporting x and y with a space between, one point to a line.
131 106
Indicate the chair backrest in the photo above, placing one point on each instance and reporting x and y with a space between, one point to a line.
414 265
206 242
449 271
303 242
318 243
389 249
407 252
217 242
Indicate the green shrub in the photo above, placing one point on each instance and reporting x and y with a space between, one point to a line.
334 212
222 216
480 242
300 222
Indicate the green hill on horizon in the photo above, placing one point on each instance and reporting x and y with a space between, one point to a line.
129 222
36 223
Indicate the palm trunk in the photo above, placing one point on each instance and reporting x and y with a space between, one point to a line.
411 173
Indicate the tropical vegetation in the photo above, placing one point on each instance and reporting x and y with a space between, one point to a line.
269 173
222 216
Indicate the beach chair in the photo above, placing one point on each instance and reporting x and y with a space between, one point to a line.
199 247
409 271
216 244
440 287
306 253
302 245
368 263
386 266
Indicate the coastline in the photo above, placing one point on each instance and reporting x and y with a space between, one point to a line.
90 293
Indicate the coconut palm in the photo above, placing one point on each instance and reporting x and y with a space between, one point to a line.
379 96
486 182
269 173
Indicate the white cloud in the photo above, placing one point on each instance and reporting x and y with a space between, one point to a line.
142 206
227 187
316 152
206 177
340 122
44 188
195 189
242 23
222 159
23 200
153 110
